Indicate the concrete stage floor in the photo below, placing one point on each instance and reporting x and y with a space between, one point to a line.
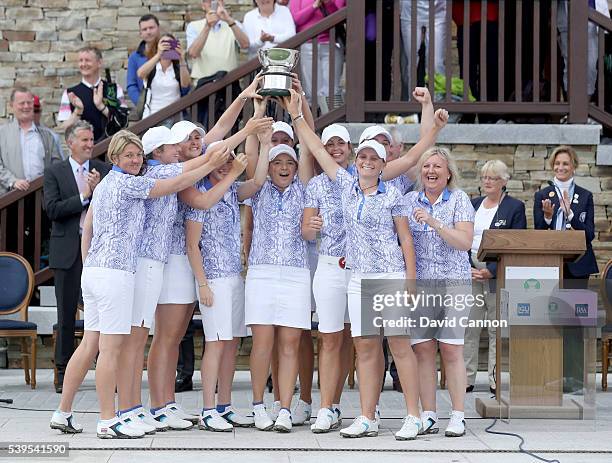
567 441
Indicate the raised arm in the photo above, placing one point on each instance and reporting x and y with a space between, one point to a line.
207 199
167 186
252 127
251 147
252 186
403 164
308 137
228 118
215 157
422 95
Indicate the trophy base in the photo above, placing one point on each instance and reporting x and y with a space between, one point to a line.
273 92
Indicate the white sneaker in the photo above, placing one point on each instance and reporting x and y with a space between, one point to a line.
146 416
377 415
133 420
182 414
263 422
168 418
362 426
117 429
410 429
429 423
283 422
212 421
326 421
456 425
301 413
336 408
65 422
237 419
276 406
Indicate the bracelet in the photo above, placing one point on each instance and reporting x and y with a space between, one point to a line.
232 24
298 117
244 98
440 227
203 284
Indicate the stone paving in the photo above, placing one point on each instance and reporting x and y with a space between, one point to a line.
563 440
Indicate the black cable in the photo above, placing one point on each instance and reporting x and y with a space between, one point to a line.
521 449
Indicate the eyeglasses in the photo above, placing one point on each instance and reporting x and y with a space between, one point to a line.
486 178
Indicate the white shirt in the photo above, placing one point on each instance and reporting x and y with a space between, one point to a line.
279 24
75 167
482 222
65 111
164 90
32 153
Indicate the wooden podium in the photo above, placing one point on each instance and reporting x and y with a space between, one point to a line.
535 352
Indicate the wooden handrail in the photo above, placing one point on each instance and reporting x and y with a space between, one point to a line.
600 19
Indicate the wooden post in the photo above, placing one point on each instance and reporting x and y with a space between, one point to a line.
355 66
577 77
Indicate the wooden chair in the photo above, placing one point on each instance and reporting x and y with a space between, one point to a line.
16 287
606 330
79 332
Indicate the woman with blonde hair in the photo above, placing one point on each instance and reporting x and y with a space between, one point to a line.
495 210
442 224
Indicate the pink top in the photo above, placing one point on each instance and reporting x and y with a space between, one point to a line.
305 16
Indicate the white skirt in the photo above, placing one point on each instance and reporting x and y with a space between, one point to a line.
148 285
278 295
179 284
224 320
330 286
108 295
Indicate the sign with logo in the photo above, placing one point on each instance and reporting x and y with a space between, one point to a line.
581 310
523 309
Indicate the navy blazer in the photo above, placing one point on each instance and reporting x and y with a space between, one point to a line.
63 206
510 215
584 219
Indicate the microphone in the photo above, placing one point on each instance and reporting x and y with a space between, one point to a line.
561 203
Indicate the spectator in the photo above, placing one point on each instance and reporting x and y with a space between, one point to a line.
89 100
600 6
26 148
167 80
212 42
148 26
495 210
68 187
212 45
267 25
37 118
306 13
440 31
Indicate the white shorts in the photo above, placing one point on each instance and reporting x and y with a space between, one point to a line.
148 285
329 285
224 320
278 295
108 295
448 335
178 286
354 300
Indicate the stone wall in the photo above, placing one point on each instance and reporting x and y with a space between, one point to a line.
40 38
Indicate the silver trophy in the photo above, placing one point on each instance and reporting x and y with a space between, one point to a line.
277 66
